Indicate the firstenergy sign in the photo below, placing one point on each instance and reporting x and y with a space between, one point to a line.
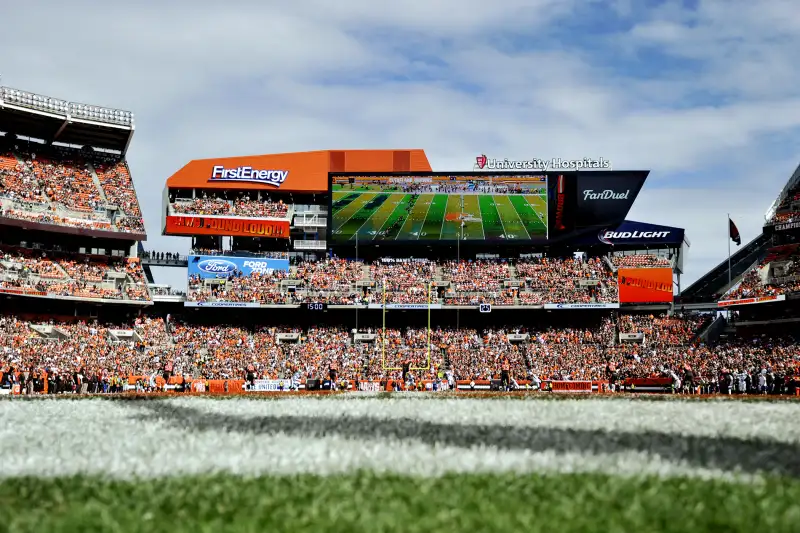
249 174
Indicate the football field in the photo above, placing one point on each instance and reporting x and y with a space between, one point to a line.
371 214
402 462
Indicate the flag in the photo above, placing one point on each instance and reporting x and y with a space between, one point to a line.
734 233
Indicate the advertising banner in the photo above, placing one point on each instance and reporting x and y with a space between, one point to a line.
645 285
271 385
604 198
634 233
226 226
750 301
222 304
405 306
218 266
787 226
631 336
582 306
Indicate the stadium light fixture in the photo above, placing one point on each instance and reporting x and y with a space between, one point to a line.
80 111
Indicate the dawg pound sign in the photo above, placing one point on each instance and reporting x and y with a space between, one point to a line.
607 194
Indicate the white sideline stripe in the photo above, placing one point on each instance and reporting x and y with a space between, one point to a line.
745 420
60 438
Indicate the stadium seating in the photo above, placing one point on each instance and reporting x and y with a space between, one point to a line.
81 277
60 188
778 273
789 209
338 281
223 352
241 207
640 261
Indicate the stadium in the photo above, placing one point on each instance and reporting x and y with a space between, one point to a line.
358 325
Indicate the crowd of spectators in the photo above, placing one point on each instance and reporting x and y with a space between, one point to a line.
82 277
333 281
224 352
456 186
567 280
41 188
240 207
776 274
789 209
640 261
118 187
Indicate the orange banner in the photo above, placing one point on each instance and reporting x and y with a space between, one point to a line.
237 227
645 285
569 386
748 301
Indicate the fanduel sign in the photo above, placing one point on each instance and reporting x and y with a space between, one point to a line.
267 177
607 194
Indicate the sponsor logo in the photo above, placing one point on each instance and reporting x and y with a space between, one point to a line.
261 267
560 200
607 194
787 226
581 306
216 266
553 164
606 236
369 386
250 174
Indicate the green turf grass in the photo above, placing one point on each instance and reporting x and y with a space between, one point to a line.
492 224
375 503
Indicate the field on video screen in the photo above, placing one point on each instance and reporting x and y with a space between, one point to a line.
382 212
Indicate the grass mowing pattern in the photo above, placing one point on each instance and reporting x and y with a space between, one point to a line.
368 502
397 216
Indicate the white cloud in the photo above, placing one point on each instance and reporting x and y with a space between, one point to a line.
522 79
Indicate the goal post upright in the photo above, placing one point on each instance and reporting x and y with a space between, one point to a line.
383 340
430 284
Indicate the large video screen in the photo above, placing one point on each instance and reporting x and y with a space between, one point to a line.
439 208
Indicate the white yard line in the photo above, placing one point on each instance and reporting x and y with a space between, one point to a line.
419 233
125 440
410 219
373 214
390 214
514 210
536 212
354 213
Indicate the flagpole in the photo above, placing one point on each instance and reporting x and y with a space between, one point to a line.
729 251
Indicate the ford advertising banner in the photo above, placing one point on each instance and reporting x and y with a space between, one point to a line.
218 266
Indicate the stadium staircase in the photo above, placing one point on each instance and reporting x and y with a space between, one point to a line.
61 269
712 285
96 181
710 334
609 263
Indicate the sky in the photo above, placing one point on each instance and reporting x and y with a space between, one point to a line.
701 93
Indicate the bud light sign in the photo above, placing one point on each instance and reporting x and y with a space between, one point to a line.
211 267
